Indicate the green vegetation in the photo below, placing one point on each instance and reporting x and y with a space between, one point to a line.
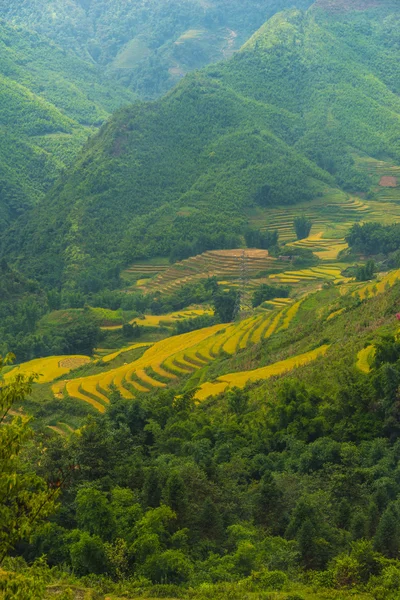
225 141
249 452
303 227
268 292
286 487
50 102
147 46
374 238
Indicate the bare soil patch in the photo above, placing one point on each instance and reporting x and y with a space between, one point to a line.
388 182
73 363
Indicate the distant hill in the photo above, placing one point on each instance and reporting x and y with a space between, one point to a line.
283 121
148 45
50 101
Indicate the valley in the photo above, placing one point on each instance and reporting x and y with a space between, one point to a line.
199 300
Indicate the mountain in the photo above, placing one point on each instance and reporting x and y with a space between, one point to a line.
148 46
50 102
287 119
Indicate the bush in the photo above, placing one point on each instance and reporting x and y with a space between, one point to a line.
269 580
171 566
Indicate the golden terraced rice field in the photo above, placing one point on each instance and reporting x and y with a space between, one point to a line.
239 380
48 368
177 356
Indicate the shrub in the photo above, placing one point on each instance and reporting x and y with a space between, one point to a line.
171 566
269 580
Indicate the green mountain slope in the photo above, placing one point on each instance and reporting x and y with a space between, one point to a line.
149 45
281 122
50 101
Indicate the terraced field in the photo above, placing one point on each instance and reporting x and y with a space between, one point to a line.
48 368
322 273
167 320
335 214
240 380
386 177
374 288
178 356
220 263
326 249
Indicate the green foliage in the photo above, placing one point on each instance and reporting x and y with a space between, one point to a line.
251 130
366 272
302 227
374 238
25 499
50 100
268 292
225 305
146 47
261 239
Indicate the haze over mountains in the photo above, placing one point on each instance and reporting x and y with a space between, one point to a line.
282 121
148 45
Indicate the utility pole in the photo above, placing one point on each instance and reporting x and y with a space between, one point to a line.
243 303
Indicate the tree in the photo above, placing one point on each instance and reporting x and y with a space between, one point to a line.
94 513
224 305
131 331
88 555
366 272
25 499
387 538
266 292
302 226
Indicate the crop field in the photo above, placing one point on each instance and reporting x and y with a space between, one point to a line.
325 273
48 368
240 379
335 214
178 356
224 264
377 287
325 248
166 320
365 358
335 313
386 178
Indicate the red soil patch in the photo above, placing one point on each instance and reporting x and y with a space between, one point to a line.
388 182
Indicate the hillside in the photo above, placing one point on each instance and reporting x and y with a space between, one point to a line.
215 445
229 141
147 46
50 102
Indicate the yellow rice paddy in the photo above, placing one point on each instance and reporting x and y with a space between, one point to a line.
239 380
48 368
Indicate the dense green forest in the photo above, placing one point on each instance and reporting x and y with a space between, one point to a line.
147 46
50 102
226 139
